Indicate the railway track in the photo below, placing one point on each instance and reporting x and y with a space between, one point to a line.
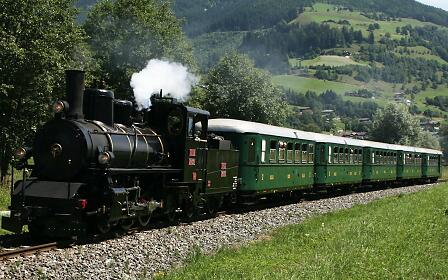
27 250
23 245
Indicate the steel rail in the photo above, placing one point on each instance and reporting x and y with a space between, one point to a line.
26 251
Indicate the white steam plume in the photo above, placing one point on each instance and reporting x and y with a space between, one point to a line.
171 77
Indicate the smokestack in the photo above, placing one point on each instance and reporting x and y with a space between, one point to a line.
74 81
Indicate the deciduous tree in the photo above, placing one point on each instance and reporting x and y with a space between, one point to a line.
236 89
38 39
395 124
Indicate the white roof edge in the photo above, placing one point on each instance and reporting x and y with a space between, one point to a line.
239 126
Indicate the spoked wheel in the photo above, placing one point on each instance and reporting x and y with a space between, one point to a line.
126 224
143 220
213 204
172 217
103 227
190 212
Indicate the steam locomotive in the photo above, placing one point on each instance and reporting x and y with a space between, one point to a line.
94 168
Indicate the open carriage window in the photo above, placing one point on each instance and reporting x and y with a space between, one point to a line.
335 154
281 151
289 153
310 153
273 151
304 153
297 152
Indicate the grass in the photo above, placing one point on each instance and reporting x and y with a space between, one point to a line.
327 60
5 194
394 238
325 12
303 84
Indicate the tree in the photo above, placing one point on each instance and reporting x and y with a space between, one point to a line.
125 34
38 40
236 89
394 124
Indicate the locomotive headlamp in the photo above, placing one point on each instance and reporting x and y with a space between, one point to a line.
58 107
20 153
104 158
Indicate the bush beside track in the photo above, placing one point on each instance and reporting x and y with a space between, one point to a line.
398 237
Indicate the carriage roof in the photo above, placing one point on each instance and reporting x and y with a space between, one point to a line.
239 126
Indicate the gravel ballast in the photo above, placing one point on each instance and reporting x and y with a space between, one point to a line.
144 253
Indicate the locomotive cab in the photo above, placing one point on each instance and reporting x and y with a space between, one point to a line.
185 132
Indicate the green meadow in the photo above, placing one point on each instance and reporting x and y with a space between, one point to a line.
401 237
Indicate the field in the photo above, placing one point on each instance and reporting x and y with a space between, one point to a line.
304 84
330 14
394 238
327 60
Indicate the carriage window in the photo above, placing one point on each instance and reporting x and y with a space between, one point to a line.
297 152
290 152
329 154
360 156
263 150
311 153
251 155
335 154
341 155
281 151
352 152
304 153
347 155
273 151
373 158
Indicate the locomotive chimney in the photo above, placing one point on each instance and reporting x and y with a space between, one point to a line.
74 80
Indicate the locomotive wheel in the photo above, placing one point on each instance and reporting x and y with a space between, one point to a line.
213 204
103 227
143 220
191 212
126 224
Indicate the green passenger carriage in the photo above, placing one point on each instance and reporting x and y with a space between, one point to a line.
271 158
339 161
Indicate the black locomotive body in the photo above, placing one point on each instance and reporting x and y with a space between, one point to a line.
95 168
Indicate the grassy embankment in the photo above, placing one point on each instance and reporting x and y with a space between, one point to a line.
394 238
5 198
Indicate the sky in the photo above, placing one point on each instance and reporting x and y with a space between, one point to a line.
436 3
